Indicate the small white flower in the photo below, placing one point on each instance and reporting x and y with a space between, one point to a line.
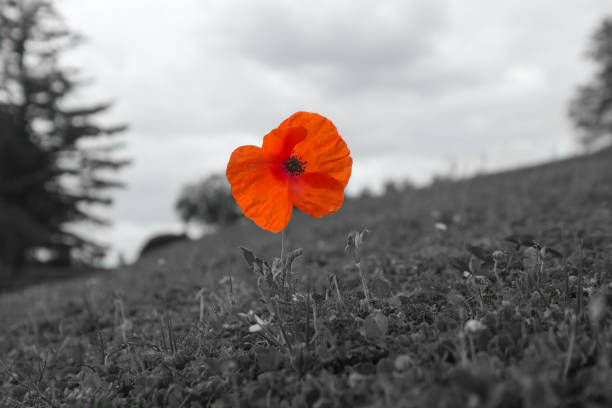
474 326
255 328
440 226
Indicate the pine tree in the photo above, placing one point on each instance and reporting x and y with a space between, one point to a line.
56 161
591 108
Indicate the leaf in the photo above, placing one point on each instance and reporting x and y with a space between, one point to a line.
385 366
456 299
360 237
380 288
521 239
91 381
277 268
268 359
248 255
376 326
394 301
293 255
474 265
258 265
553 252
260 321
459 263
480 253
350 241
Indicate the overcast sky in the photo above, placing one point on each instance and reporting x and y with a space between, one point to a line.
412 86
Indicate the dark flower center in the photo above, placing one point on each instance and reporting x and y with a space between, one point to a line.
294 166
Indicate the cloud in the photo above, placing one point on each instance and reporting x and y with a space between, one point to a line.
343 34
344 45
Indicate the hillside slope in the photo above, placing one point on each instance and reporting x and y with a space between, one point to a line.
448 324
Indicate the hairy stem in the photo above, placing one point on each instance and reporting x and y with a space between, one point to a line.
364 283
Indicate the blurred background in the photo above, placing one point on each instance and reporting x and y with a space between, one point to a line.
125 112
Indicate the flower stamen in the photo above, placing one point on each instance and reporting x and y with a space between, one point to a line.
294 166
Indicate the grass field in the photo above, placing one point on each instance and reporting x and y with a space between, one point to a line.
489 292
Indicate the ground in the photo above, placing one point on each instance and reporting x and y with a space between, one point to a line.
489 292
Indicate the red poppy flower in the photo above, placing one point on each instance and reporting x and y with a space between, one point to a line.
304 162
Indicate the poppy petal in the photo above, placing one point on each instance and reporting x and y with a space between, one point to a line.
262 196
279 143
323 148
316 194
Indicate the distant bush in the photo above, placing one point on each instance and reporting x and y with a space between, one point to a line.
391 187
159 241
209 202
366 192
